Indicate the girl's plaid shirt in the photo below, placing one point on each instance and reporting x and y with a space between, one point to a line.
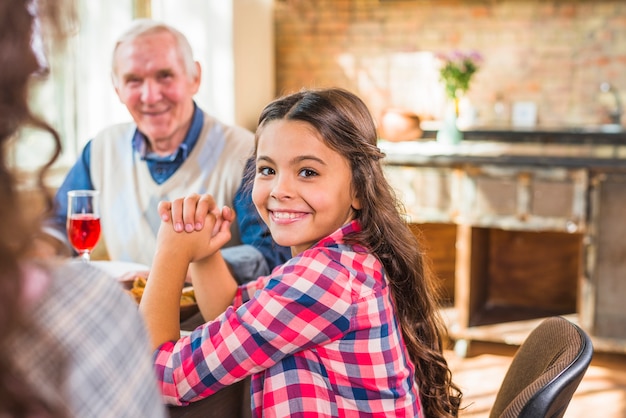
319 337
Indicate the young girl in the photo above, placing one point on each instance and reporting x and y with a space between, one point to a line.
349 325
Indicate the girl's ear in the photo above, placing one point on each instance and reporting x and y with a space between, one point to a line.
356 203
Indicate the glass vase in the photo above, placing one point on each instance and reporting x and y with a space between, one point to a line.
449 133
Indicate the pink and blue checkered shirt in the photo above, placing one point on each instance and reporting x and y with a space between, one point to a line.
319 337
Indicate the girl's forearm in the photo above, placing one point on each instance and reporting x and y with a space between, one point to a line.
214 285
160 303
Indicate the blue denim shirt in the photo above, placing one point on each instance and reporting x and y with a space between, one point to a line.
258 254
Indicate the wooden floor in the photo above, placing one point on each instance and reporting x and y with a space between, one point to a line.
602 392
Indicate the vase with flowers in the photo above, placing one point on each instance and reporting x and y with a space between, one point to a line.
456 72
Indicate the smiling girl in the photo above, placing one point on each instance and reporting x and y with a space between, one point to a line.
349 326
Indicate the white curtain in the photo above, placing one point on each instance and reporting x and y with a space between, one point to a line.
207 25
77 98
234 42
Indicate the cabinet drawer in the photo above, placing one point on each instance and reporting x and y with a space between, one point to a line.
524 198
429 194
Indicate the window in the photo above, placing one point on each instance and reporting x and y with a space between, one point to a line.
76 97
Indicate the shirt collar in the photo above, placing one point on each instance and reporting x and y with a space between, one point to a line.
338 236
140 142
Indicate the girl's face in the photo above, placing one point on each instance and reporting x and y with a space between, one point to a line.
302 189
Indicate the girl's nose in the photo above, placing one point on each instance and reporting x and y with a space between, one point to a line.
282 187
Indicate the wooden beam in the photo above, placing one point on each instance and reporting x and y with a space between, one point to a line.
142 9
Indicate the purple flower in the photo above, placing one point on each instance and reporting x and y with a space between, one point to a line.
457 69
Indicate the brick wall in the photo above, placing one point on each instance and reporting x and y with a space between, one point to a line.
553 53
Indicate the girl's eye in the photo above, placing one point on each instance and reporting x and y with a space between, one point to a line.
307 172
266 171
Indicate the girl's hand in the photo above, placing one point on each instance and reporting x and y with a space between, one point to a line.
188 213
207 228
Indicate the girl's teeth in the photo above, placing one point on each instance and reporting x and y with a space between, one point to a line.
284 215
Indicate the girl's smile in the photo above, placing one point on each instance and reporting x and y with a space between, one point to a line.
284 217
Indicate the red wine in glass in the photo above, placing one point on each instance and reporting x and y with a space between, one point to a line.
83 232
83 221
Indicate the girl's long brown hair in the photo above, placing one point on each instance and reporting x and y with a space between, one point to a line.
18 67
346 126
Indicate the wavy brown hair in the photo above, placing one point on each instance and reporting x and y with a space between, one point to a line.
346 126
19 67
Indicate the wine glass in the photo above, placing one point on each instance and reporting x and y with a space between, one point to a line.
83 221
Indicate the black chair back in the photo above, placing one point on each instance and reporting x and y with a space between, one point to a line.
545 372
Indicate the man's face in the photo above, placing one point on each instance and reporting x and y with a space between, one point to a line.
151 80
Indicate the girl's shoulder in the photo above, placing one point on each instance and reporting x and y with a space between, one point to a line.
342 265
81 280
81 296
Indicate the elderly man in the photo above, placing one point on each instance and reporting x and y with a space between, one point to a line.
173 148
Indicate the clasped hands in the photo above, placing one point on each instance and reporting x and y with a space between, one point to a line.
206 227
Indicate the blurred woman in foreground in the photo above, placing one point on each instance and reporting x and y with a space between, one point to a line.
72 344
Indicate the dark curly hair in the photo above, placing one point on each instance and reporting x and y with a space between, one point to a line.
21 21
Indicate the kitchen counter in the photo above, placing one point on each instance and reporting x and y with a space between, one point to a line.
584 134
608 156
520 231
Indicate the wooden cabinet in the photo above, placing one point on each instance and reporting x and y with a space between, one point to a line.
516 243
